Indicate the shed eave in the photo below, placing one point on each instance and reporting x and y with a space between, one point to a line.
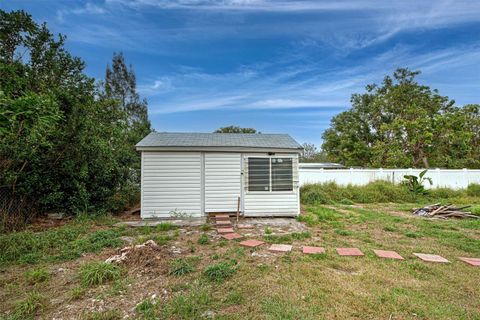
223 149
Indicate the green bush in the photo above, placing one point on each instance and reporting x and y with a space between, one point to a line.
378 192
473 190
219 272
96 273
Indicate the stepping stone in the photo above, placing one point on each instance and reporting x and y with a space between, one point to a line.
251 243
280 248
349 252
221 217
471 261
232 236
431 257
388 254
225 230
245 226
313 250
223 223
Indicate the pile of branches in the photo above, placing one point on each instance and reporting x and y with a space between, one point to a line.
443 212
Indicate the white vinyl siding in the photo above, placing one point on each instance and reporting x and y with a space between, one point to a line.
272 203
171 181
222 181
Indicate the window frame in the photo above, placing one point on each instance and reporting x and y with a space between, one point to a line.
292 191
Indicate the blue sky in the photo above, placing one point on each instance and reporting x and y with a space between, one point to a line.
278 66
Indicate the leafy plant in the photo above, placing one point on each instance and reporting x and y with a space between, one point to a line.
203 239
37 275
180 267
416 184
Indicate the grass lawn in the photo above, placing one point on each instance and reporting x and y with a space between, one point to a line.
58 272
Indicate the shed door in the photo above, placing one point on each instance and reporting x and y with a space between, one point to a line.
222 181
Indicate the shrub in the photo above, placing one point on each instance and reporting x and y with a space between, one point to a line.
38 275
96 273
180 267
203 239
473 190
219 272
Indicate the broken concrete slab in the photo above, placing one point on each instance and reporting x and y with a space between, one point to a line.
313 250
251 243
354 252
232 236
471 261
431 257
191 222
244 226
225 230
388 254
280 248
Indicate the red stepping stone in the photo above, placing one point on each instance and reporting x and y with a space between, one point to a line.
225 230
313 250
251 243
349 252
471 261
280 248
388 254
232 236
245 226
431 257
221 216
223 223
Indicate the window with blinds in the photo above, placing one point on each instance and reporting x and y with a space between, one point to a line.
270 174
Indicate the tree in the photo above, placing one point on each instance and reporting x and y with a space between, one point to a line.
402 123
235 129
63 144
312 154
121 85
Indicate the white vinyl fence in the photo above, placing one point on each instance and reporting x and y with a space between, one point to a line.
448 178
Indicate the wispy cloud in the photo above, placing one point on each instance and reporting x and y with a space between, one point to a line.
88 8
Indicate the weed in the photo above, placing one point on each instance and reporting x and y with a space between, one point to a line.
95 273
343 232
77 292
234 297
180 267
206 227
190 305
219 272
37 275
346 201
412 234
27 308
203 239
268 230
103 315
390 228
147 309
165 226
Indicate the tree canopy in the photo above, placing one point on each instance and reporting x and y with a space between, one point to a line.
65 142
402 123
235 129
312 154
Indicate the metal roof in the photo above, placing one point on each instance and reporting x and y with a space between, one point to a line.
229 140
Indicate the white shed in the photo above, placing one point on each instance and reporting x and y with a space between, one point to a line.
194 174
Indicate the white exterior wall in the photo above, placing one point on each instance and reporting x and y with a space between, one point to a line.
222 181
171 181
199 182
272 203
441 178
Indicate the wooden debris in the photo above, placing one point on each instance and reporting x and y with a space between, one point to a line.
444 211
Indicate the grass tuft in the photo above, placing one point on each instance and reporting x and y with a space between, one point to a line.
96 273
37 275
180 267
203 239
219 272
27 308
